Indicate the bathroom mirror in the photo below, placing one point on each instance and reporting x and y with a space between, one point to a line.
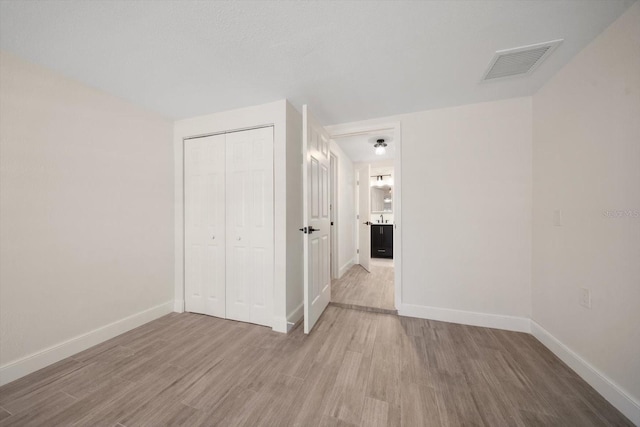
381 199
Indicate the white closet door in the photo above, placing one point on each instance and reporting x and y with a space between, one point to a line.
250 226
204 193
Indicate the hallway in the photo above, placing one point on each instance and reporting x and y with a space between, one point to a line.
373 291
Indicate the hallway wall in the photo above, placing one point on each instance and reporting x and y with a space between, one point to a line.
346 210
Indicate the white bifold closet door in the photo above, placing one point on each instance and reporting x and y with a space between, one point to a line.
204 233
250 234
229 230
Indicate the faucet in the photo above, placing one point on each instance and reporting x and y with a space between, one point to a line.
381 219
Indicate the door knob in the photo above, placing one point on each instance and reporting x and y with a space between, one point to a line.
311 229
213 237
367 223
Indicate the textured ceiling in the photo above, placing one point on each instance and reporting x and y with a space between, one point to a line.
348 60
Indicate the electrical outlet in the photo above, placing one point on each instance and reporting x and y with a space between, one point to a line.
585 298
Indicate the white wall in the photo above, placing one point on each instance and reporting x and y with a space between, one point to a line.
346 210
86 216
275 114
466 213
466 175
586 163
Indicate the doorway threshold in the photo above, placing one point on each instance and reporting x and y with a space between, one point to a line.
364 308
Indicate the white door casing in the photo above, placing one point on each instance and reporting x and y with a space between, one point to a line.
204 238
333 208
364 212
315 180
250 226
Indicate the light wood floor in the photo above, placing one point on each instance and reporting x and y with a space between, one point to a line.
374 289
355 369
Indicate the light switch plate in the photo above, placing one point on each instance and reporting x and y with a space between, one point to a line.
585 298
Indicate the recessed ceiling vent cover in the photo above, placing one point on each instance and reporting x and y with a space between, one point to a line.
519 61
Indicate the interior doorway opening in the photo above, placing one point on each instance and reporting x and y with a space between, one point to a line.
366 251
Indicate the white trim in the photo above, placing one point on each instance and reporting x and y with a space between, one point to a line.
38 360
178 306
397 215
284 325
279 325
335 232
295 316
604 385
346 267
496 321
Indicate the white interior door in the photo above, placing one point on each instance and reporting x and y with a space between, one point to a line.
249 202
364 222
315 180
204 188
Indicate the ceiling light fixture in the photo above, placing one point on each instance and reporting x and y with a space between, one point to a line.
380 147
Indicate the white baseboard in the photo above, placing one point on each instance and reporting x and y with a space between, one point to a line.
497 321
31 363
295 316
279 325
346 267
611 391
178 306
284 325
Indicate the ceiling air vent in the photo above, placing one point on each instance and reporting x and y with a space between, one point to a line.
519 61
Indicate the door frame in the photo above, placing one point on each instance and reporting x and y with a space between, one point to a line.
362 185
333 200
352 129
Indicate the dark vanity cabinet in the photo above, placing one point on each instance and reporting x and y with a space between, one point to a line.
381 240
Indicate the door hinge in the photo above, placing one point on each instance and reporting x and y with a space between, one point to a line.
358 182
357 216
357 251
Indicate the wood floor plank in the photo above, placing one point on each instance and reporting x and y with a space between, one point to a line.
273 404
384 376
128 402
355 369
314 394
347 396
38 379
41 414
4 413
419 406
108 390
374 413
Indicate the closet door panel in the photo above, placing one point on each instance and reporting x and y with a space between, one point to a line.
250 205
204 192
